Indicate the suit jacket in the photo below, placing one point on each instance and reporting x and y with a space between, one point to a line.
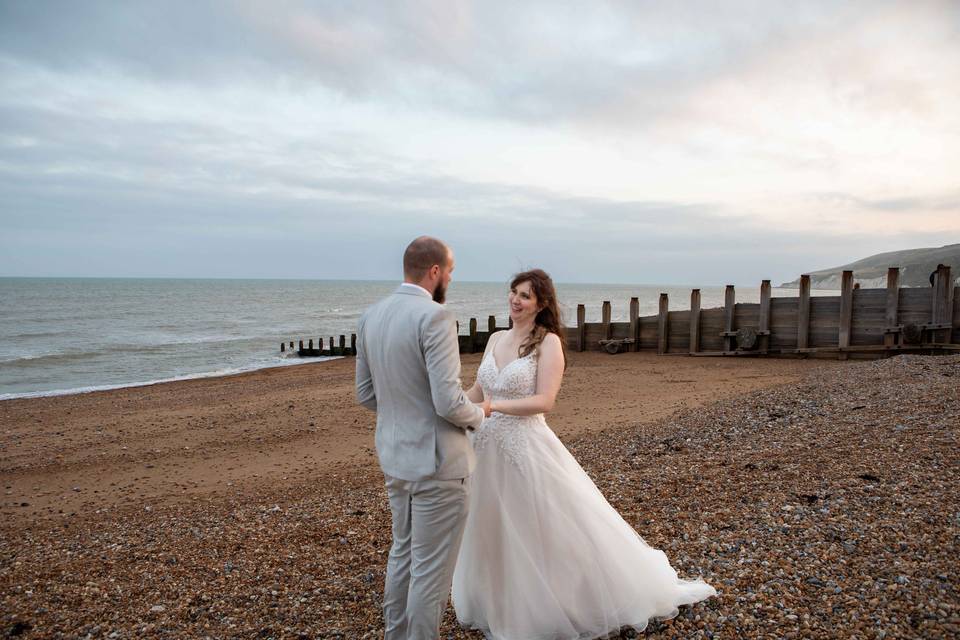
408 371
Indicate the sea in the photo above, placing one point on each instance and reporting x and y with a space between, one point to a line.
74 335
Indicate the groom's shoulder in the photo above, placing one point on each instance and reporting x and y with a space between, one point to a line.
401 304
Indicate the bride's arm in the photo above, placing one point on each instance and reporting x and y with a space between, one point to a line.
549 376
475 393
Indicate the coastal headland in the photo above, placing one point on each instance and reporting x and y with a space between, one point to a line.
817 496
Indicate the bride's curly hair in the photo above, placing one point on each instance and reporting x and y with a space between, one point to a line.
548 319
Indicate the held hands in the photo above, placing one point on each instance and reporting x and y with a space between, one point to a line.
485 405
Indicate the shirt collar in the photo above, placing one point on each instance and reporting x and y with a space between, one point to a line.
415 287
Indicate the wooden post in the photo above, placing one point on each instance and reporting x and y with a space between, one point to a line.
948 304
663 325
301 345
310 346
283 347
353 344
942 307
343 345
803 314
846 312
473 335
333 350
291 344
891 333
492 324
729 302
581 328
635 323
764 332
695 321
605 319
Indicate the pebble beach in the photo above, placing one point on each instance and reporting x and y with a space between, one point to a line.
820 499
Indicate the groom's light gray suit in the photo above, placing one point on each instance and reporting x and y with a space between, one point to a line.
408 371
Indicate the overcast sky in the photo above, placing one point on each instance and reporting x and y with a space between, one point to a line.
643 142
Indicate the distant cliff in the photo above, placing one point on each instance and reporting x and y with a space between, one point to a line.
915 268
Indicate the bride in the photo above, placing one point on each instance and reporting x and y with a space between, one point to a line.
544 555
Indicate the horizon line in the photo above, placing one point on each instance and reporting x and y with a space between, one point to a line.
393 280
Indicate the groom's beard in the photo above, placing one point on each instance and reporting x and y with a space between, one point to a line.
440 294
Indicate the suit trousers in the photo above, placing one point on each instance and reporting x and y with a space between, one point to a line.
428 522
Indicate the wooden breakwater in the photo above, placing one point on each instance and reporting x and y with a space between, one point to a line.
860 323
335 348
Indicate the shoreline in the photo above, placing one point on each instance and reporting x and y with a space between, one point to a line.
223 373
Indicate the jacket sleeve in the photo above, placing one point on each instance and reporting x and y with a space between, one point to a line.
366 395
441 351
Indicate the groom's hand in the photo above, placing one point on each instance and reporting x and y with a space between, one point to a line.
485 405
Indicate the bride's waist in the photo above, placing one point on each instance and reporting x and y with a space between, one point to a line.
504 418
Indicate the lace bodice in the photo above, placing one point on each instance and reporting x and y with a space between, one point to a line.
517 379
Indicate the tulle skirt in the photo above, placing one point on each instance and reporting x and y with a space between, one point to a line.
544 556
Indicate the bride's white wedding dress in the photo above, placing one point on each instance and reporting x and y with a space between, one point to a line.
544 555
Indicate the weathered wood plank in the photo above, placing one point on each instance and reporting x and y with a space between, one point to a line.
695 321
803 313
635 324
824 316
955 335
764 321
594 334
605 319
729 309
581 327
620 330
746 314
942 303
846 311
571 334
678 332
783 322
711 324
648 332
662 325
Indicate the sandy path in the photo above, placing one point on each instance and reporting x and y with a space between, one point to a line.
210 438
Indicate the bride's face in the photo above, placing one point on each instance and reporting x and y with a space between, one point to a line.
523 303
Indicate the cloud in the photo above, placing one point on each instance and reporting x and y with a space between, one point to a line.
612 141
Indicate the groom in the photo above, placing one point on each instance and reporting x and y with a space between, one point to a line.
408 371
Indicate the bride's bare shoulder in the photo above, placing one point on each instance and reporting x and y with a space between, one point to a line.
551 342
496 336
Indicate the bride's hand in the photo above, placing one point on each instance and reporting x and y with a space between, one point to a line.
485 405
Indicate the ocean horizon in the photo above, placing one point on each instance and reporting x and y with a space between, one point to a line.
80 334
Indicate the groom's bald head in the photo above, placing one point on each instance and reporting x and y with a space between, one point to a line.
421 255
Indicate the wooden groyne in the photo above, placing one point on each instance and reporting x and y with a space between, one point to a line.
338 348
860 323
